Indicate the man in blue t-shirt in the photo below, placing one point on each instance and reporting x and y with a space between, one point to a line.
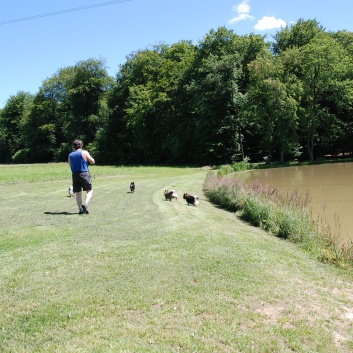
79 160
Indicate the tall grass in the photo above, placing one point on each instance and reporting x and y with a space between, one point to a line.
286 216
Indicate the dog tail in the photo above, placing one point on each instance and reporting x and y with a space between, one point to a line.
196 200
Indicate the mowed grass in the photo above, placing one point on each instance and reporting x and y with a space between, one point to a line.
141 274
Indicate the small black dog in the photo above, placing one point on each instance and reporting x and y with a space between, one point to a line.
132 186
191 200
170 194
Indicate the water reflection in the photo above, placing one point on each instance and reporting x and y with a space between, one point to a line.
330 186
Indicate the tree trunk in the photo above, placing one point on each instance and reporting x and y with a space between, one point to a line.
268 161
241 146
311 148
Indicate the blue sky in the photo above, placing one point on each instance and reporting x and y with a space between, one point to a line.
33 50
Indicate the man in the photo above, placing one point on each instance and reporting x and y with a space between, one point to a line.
81 178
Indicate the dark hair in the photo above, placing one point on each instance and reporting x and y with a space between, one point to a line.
77 144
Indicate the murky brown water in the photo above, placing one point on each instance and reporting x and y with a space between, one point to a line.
330 187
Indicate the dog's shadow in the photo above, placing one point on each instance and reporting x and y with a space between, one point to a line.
64 213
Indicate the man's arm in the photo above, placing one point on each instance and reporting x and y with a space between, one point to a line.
88 157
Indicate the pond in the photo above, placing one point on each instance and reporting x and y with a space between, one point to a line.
330 187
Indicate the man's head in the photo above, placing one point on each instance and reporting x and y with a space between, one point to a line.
77 144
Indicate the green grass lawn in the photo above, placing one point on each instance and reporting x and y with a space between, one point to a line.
141 274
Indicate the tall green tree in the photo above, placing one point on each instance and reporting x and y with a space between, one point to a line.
12 118
68 105
345 38
144 113
218 83
87 84
271 100
322 63
296 35
40 128
327 88
217 97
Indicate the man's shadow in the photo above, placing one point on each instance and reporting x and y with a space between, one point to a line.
61 213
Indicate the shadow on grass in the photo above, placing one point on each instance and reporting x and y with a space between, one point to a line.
61 213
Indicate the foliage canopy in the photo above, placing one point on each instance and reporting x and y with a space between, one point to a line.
227 98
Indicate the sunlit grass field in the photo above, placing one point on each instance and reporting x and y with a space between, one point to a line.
141 274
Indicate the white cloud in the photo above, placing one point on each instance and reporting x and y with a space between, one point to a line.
243 7
269 23
241 17
242 10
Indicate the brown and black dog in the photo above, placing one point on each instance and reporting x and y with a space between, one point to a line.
132 186
191 199
170 194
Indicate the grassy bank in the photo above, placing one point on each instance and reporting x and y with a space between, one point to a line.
141 274
286 216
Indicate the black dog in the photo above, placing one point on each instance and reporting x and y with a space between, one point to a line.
170 194
132 186
191 200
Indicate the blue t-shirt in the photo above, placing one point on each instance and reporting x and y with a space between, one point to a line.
77 163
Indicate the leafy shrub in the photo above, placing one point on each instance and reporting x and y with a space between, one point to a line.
21 156
235 167
61 154
241 166
225 170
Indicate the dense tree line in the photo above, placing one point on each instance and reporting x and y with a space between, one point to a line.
224 99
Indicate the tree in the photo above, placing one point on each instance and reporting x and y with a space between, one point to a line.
12 118
86 84
271 101
70 104
345 38
216 89
216 100
40 129
295 35
144 112
324 68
